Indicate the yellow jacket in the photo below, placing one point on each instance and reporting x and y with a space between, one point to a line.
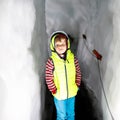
64 73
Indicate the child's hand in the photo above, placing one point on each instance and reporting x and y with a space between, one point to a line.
54 92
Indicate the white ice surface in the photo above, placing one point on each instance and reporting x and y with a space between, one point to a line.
19 82
100 21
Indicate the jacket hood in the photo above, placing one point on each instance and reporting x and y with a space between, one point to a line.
52 39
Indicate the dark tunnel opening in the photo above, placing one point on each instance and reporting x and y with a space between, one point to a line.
85 108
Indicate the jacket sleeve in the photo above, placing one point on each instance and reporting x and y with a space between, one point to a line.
49 76
78 72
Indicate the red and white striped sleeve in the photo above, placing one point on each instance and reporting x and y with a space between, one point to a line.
78 72
49 76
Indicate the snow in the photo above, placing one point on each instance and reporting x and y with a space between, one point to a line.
23 51
20 89
99 21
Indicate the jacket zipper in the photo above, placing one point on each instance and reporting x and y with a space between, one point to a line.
66 78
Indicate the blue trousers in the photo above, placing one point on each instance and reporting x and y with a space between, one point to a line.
65 108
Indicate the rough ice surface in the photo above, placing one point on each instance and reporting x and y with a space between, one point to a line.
19 83
23 51
99 21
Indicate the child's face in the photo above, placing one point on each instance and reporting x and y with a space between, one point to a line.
61 46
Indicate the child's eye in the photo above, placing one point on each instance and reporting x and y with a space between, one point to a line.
62 45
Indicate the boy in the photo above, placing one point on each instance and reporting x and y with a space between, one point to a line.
63 75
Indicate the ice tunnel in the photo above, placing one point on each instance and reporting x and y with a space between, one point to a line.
25 28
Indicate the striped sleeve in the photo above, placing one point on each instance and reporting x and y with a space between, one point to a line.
49 76
78 72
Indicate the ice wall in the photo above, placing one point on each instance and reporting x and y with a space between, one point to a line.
20 30
99 21
23 51
111 66
106 40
